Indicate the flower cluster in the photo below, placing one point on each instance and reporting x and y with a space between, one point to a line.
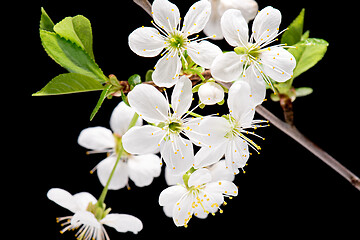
202 154
174 129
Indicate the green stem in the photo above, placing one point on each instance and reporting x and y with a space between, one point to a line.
101 200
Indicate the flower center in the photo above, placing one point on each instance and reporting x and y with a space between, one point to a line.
176 41
252 51
99 212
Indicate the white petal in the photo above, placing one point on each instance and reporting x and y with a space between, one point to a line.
63 198
210 201
248 8
121 118
146 42
257 84
167 70
143 140
120 177
178 154
86 218
199 177
203 53
181 97
239 99
172 179
213 26
96 138
278 63
149 103
211 93
143 169
171 195
214 130
83 199
207 156
197 17
227 67
266 24
236 154
183 210
123 222
166 15
219 171
235 28
222 186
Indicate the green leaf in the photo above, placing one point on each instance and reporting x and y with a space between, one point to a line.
45 22
103 95
307 53
305 35
295 30
70 56
134 80
77 30
303 91
70 83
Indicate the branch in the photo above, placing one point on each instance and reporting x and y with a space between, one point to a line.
309 145
144 4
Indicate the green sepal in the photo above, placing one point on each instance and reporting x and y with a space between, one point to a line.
69 83
148 75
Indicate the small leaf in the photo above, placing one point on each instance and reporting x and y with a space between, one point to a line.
303 91
45 21
148 75
77 30
103 95
70 56
70 83
305 35
295 30
134 80
307 53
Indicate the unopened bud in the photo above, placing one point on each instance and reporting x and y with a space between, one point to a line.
211 93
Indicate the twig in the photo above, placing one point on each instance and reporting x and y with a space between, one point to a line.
309 145
144 4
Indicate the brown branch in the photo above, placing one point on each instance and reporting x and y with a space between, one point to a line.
292 131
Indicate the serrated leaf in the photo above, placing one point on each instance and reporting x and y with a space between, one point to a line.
103 95
78 30
70 56
69 83
45 21
307 53
295 30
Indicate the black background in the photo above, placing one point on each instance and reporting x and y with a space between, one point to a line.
286 191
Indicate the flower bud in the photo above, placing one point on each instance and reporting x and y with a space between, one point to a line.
211 93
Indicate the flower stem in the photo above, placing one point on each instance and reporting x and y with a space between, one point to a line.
101 200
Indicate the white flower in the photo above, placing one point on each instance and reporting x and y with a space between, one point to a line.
248 8
150 42
217 170
210 93
140 169
199 196
227 135
90 223
168 128
250 60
